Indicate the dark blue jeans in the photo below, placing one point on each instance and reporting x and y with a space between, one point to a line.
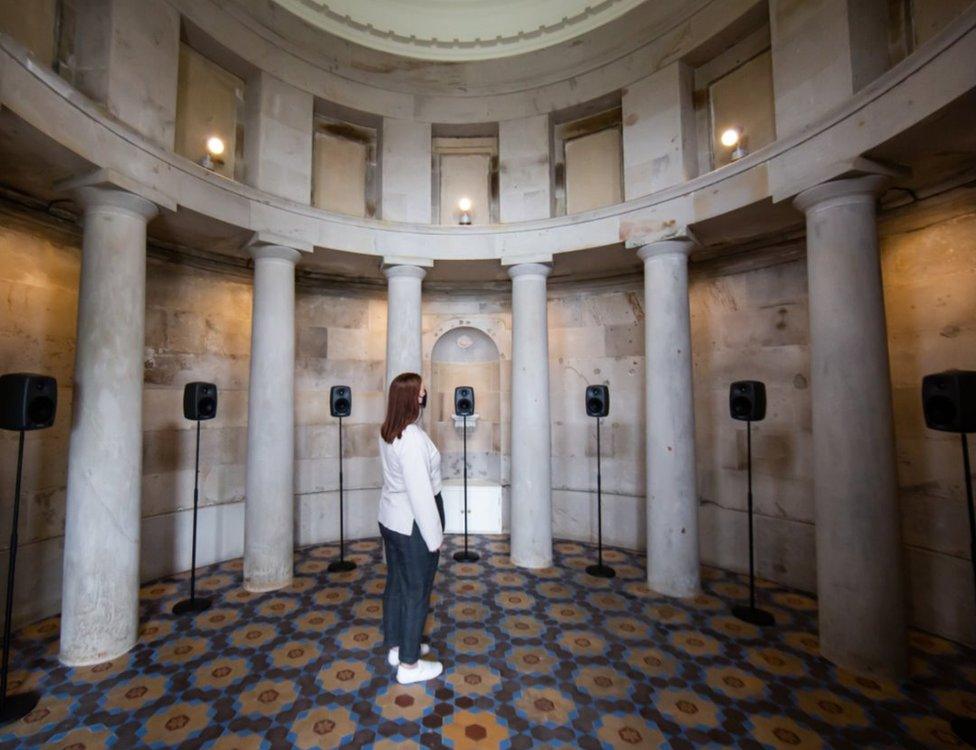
410 571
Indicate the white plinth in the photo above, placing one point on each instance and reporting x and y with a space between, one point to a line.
484 507
459 423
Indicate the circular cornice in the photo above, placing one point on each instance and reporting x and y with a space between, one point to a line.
46 110
457 30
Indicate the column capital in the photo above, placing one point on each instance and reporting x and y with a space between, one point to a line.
682 246
92 198
260 250
529 269
867 187
408 271
106 187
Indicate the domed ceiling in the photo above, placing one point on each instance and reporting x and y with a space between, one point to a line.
457 30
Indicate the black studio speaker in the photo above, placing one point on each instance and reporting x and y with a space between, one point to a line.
27 401
747 400
597 400
949 400
340 401
200 401
464 401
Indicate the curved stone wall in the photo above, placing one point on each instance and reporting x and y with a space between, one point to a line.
746 322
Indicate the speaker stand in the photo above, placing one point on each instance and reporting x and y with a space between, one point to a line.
751 614
599 570
342 565
13 707
193 605
465 555
965 728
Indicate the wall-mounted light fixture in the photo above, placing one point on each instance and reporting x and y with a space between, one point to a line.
734 137
464 206
215 148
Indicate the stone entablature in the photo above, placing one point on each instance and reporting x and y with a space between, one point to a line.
931 78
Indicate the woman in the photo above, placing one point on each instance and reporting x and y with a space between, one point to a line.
411 517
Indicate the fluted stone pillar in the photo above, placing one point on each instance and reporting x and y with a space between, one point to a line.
858 536
672 499
531 495
270 474
403 324
100 596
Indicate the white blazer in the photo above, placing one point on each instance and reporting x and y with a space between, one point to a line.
411 478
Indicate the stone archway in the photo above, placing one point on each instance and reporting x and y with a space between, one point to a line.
465 355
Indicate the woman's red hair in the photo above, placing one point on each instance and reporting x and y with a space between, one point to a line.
402 405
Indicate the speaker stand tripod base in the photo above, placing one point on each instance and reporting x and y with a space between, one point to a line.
599 570
965 728
191 606
342 565
13 707
465 555
17 706
752 614
194 604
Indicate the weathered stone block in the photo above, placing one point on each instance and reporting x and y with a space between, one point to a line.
624 340
313 341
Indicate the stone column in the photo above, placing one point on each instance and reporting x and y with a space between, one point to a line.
672 500
531 499
100 594
270 476
404 352
859 557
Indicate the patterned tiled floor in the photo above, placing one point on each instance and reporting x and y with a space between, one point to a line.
547 659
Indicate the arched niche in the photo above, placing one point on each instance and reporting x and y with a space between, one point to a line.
465 355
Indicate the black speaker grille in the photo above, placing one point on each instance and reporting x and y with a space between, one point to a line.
941 410
741 406
207 407
949 400
597 401
27 401
40 411
199 401
340 401
464 401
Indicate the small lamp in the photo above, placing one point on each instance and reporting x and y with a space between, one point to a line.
215 147
464 205
733 137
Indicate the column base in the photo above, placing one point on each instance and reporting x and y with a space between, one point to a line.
256 587
676 590
538 564
90 661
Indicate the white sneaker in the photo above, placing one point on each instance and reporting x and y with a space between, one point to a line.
424 670
393 658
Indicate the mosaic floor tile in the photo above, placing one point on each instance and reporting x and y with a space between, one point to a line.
533 659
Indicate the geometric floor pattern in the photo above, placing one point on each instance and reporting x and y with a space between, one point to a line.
533 659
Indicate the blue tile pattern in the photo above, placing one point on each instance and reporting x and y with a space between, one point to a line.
534 659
